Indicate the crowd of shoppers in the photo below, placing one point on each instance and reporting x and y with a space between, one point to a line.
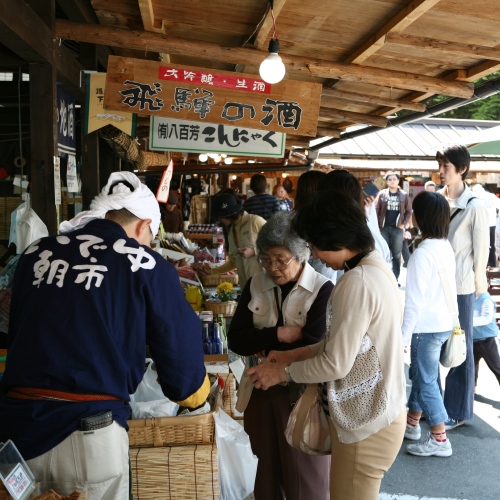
320 304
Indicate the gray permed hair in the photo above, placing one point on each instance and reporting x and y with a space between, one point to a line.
278 233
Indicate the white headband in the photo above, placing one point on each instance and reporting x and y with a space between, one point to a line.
139 201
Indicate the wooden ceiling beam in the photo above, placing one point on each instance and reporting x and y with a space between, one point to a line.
235 55
472 50
329 113
267 26
24 33
458 74
147 15
81 11
480 70
328 132
353 96
398 23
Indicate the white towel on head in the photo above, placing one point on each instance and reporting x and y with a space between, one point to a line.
141 202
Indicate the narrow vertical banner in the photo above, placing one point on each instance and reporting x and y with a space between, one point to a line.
96 116
164 187
71 175
57 180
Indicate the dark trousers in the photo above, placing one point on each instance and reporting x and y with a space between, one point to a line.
394 238
459 388
489 350
282 472
492 259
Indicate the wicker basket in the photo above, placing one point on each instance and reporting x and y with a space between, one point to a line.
182 472
217 279
225 308
173 431
229 394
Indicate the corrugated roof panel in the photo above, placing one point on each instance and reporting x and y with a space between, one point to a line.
424 136
412 139
378 143
408 148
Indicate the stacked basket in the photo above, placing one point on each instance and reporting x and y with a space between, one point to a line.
175 457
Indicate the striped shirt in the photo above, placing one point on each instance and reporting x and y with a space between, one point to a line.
262 204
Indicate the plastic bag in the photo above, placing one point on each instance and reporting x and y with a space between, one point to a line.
237 463
149 400
25 226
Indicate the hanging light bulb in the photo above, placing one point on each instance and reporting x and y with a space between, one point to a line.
203 157
272 69
228 161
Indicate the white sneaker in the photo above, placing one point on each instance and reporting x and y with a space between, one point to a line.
430 448
413 432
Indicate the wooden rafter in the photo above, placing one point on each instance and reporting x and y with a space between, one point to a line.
264 32
147 14
234 55
472 50
328 132
398 23
329 113
353 96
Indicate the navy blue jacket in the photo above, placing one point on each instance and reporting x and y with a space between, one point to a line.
84 306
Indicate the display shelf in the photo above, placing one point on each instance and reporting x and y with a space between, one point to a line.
199 236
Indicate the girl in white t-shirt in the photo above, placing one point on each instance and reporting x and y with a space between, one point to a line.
428 323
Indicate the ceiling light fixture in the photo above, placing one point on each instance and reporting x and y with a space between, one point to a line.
272 69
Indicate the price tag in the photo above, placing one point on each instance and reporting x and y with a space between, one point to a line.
57 180
18 482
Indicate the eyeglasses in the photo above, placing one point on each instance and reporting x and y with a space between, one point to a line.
268 263
392 179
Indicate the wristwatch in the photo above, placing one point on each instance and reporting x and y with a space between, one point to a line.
287 374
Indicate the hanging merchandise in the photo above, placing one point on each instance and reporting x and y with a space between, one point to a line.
25 226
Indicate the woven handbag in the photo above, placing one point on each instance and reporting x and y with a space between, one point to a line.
307 429
454 350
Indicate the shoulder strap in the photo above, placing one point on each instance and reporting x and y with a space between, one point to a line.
391 277
460 209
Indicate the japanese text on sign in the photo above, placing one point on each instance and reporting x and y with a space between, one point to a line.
214 79
287 114
194 94
185 135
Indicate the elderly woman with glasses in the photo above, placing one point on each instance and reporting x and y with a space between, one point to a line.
281 308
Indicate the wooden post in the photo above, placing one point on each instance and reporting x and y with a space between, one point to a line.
43 124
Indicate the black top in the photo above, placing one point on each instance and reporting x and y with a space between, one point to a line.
245 339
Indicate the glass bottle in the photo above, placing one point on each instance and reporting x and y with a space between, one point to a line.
207 345
216 340
223 333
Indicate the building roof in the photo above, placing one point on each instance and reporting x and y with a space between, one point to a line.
417 140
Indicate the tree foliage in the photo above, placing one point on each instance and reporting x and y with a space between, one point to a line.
483 109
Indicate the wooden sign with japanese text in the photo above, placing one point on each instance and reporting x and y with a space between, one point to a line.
215 96
170 134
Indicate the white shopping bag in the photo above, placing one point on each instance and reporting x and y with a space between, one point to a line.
237 463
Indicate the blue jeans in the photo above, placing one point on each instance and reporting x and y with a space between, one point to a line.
394 238
459 389
424 373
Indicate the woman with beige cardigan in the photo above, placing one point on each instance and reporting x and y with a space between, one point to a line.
360 363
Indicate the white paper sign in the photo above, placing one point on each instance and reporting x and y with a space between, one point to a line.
18 482
57 180
164 187
171 134
71 176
